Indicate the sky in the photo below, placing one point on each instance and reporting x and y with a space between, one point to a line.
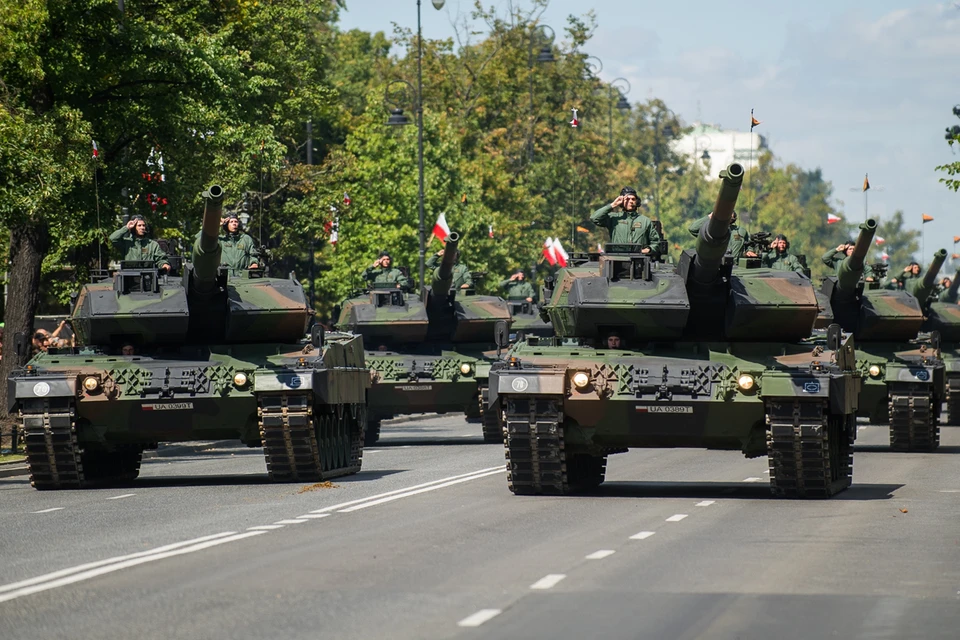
849 86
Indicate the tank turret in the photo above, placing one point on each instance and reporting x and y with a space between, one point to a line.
206 248
926 287
715 234
951 293
851 269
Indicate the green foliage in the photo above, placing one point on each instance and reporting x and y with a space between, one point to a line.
952 168
900 243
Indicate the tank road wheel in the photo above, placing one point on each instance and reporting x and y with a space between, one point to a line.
339 436
358 421
474 411
50 440
289 437
810 451
372 433
913 425
490 420
953 401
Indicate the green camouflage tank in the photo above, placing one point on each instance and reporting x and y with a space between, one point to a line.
710 357
427 352
902 369
943 316
214 357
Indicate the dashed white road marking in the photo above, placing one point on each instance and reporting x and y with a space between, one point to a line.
50 510
601 554
90 570
548 581
643 535
941 491
126 495
265 527
752 479
479 618
379 501
312 516
677 517
705 503
290 521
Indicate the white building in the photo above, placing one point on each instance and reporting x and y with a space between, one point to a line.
722 147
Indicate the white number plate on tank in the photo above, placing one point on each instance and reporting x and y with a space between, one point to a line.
669 408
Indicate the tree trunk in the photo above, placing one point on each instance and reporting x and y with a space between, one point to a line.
29 243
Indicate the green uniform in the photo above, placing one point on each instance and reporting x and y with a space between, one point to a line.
833 259
134 247
627 227
783 262
237 252
461 275
738 237
381 277
518 289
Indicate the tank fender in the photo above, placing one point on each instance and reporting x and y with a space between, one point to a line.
30 388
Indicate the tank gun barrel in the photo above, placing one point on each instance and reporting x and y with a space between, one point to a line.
923 289
443 275
715 234
848 275
951 295
206 249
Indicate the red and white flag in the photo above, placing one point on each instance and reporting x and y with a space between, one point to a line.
560 254
879 240
599 248
884 256
440 229
346 199
96 150
832 218
576 120
490 230
332 226
548 253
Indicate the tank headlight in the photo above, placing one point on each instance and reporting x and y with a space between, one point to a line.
240 379
745 382
580 379
91 383
874 371
466 368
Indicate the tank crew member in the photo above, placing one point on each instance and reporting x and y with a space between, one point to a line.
613 341
628 226
911 271
893 284
738 237
779 259
383 274
238 252
133 243
943 287
128 350
518 288
462 278
833 257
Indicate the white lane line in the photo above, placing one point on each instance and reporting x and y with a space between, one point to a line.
290 521
419 491
265 527
677 517
50 510
548 581
941 491
705 503
312 516
643 535
479 618
600 555
42 583
396 491
126 495
752 479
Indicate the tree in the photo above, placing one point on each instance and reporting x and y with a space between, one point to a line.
952 168
900 243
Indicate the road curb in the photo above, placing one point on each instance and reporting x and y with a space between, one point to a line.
12 469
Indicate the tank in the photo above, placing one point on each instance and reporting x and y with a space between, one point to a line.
943 316
710 356
902 368
429 351
527 320
192 356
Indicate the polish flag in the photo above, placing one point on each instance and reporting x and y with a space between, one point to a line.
490 230
96 150
548 253
576 121
332 226
599 248
884 256
560 254
346 199
832 218
879 240
440 229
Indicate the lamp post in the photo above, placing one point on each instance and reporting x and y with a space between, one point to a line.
398 119
622 104
545 36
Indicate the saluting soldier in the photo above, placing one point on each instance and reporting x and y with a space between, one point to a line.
517 287
779 259
382 274
627 225
738 237
462 278
834 257
133 243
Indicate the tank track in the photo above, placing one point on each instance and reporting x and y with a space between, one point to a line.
537 460
301 446
489 420
810 451
953 401
122 465
50 441
371 434
913 423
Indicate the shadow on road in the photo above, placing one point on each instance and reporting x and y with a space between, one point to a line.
726 491
437 441
885 448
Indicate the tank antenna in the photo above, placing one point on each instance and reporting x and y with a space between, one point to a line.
260 198
96 196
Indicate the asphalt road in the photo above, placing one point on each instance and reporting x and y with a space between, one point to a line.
427 542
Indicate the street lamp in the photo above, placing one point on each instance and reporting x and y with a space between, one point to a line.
622 104
397 118
545 36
